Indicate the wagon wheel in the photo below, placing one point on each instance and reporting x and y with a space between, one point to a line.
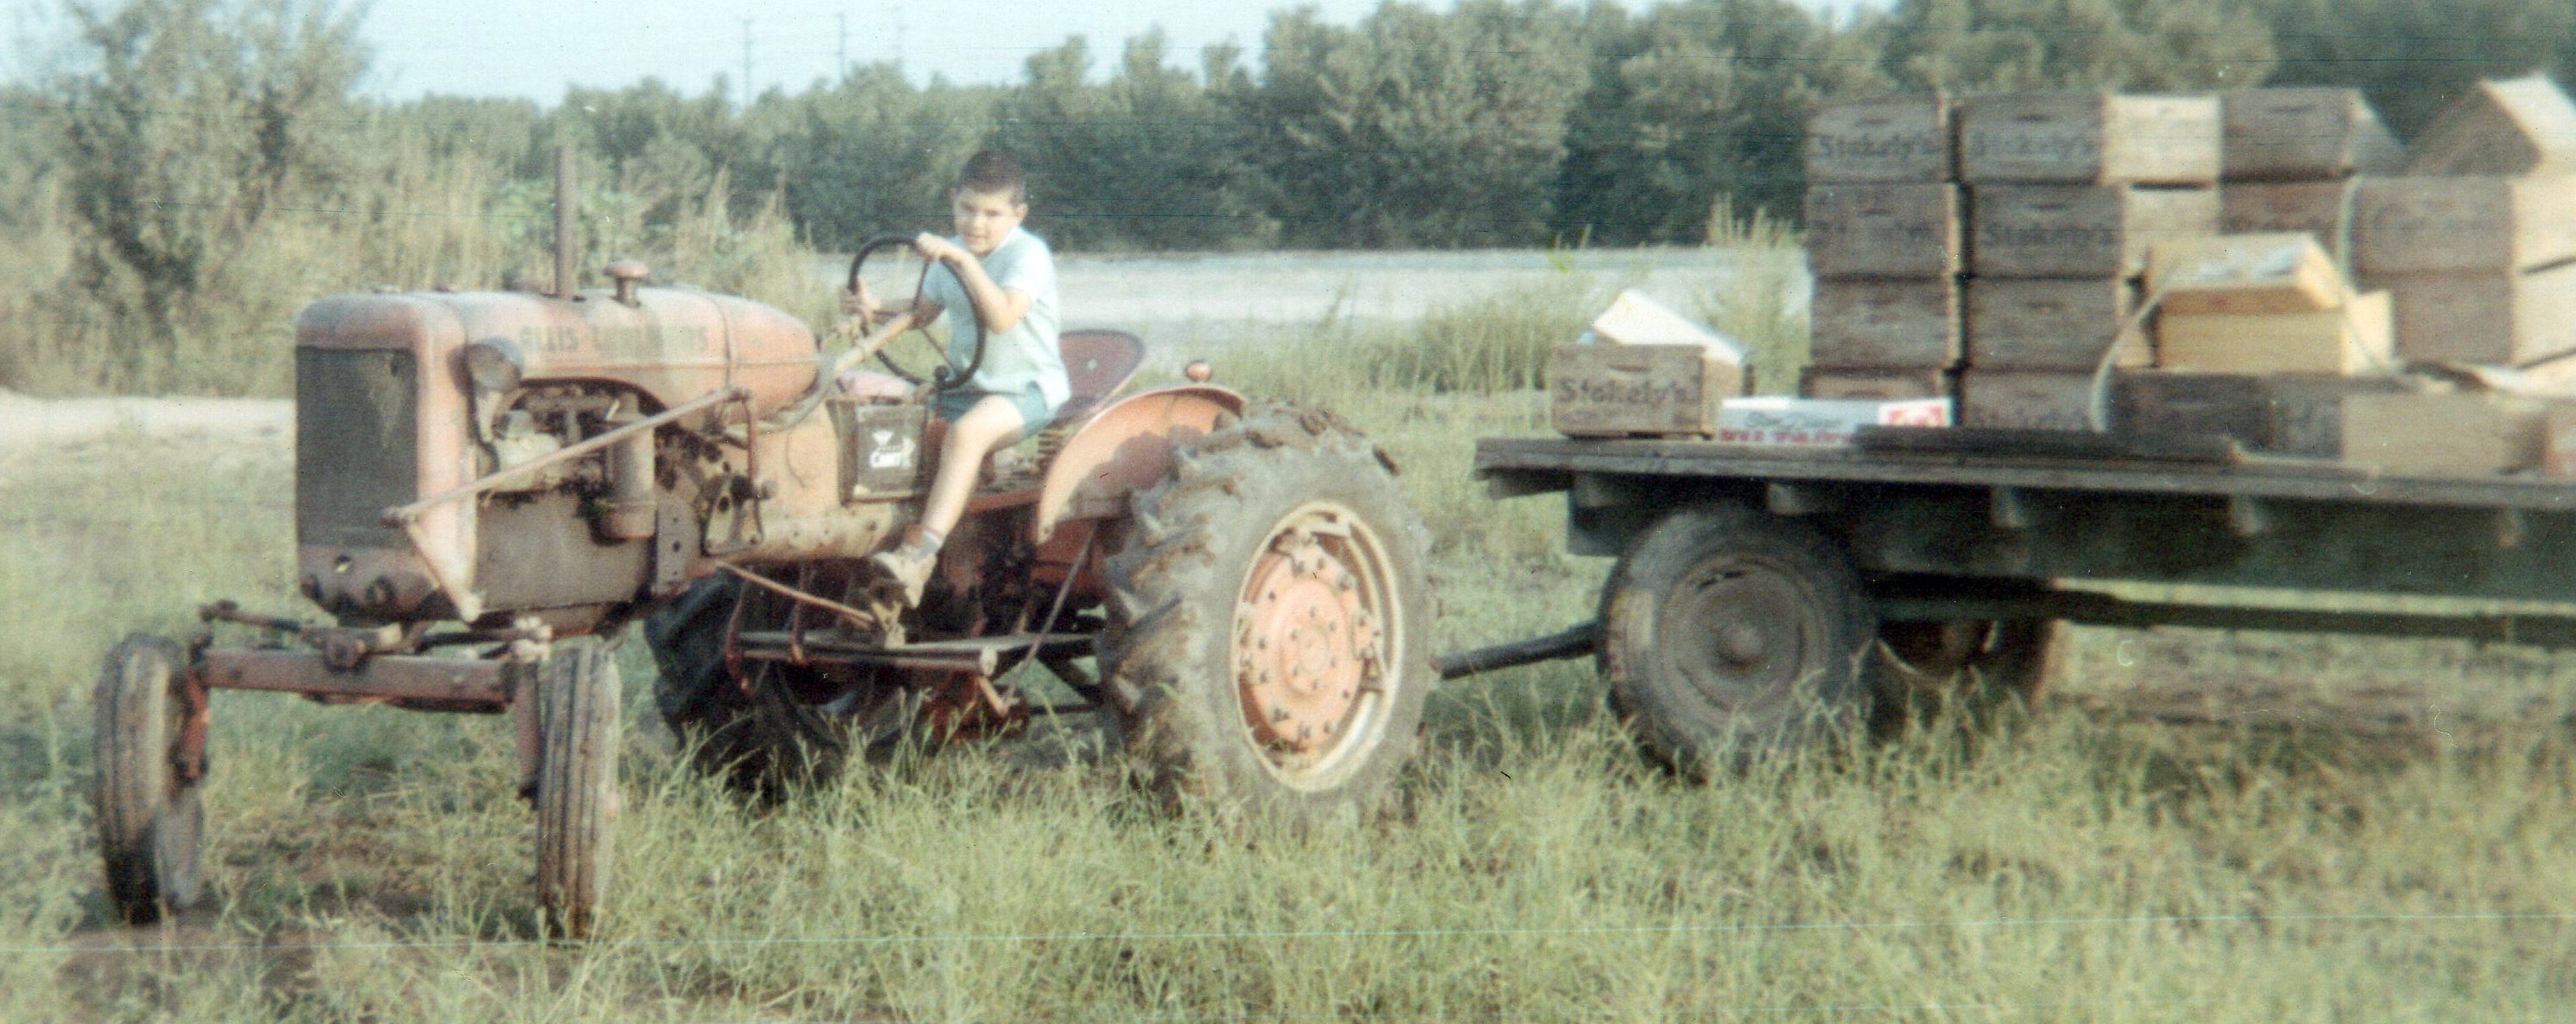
1981 665
577 804
1729 635
150 815
1267 645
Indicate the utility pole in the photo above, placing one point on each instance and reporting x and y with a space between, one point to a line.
841 57
746 63
898 38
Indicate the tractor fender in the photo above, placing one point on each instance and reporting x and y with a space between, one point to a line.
1125 449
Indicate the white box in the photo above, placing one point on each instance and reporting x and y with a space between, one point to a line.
1820 421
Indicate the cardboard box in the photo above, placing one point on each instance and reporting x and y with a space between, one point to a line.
2080 231
2358 338
2314 208
1635 319
2517 126
2026 400
2274 414
1879 384
1773 420
1878 230
2053 325
1906 139
2275 273
2089 138
2500 318
1873 322
2452 225
2303 134
2443 433
1622 390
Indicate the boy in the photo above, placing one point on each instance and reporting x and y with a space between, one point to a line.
1004 278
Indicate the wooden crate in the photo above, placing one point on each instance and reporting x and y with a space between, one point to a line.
2025 400
2445 225
2353 339
2465 433
2277 414
1893 140
2303 134
2520 126
2316 208
1886 383
1622 390
1884 322
2499 318
1884 230
2267 273
2089 138
2081 231
2052 325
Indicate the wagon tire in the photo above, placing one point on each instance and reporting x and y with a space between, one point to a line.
1982 669
577 801
1267 649
151 817
1728 635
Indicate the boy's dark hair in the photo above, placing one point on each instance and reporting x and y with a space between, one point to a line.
990 171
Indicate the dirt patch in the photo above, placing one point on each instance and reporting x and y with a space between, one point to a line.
40 423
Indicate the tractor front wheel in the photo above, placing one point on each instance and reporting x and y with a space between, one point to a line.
150 816
1268 643
577 697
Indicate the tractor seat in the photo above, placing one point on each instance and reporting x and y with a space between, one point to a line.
1098 363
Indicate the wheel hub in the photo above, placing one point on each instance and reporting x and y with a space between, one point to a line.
1306 646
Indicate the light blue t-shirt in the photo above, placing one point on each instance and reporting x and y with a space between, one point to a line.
1024 355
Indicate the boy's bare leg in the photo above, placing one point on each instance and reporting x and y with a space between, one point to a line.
990 424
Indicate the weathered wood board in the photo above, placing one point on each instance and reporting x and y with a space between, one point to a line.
1884 322
1885 230
2089 138
2053 324
2081 231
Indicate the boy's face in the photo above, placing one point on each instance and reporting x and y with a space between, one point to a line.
985 218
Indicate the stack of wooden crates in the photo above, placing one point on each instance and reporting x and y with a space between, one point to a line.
1992 250
2043 215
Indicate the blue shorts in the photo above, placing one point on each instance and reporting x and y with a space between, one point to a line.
1034 411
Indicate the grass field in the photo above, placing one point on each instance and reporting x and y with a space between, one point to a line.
2198 826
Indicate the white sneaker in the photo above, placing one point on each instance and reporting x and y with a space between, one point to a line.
908 566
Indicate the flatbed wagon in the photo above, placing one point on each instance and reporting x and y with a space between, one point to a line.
1765 593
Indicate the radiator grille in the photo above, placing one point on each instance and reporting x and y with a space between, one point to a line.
355 444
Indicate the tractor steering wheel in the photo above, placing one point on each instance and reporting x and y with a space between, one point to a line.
946 376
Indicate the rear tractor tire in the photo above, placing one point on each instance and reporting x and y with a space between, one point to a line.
1268 642
151 818
1728 635
577 804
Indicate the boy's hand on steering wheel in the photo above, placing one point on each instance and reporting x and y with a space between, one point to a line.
856 302
940 250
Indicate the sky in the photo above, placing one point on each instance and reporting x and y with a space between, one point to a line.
537 49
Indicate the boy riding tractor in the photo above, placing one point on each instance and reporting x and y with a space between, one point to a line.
491 485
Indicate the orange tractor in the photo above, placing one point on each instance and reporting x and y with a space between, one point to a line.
490 486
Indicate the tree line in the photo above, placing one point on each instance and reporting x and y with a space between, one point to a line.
183 147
